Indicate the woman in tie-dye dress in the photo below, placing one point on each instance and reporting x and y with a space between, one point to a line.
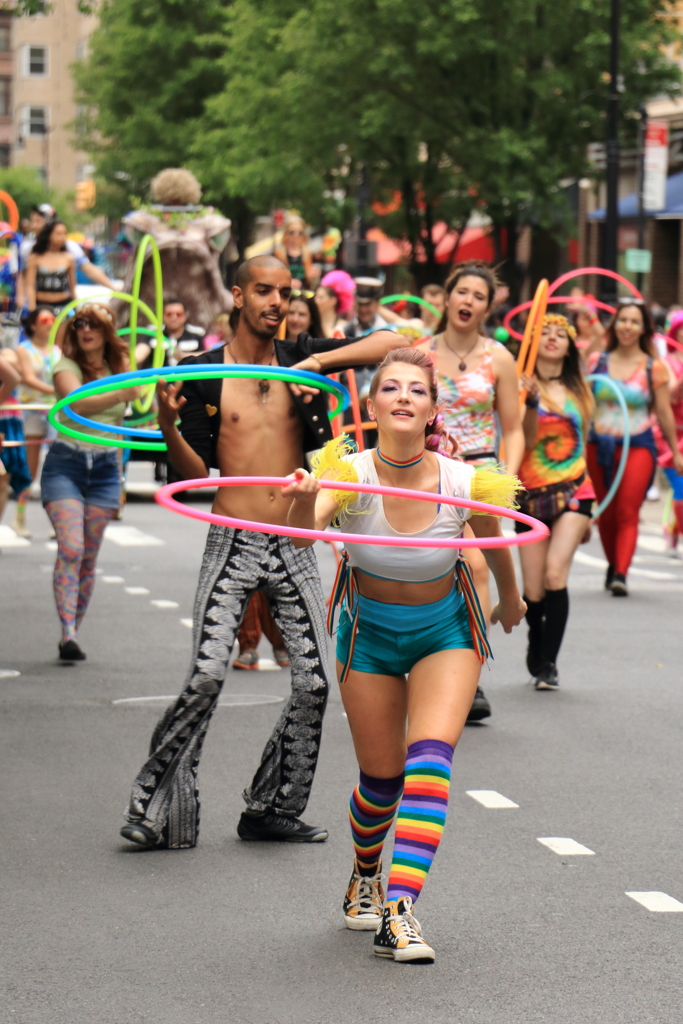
477 381
558 491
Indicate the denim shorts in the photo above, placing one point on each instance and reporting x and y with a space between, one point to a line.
391 638
93 477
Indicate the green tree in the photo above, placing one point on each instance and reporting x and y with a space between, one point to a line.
27 188
455 104
150 68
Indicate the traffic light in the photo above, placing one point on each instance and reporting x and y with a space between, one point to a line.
86 194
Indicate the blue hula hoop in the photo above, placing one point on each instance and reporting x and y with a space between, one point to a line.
625 444
202 370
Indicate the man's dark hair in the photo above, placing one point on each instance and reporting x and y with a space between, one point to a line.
244 271
174 302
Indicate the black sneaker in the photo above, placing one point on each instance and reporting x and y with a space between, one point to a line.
70 651
480 707
609 576
618 585
364 898
274 828
547 679
399 935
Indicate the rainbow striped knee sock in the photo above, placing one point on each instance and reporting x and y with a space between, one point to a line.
371 811
421 816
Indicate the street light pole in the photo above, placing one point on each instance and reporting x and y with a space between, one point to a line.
641 188
612 213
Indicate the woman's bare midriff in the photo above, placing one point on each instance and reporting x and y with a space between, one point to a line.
396 592
50 297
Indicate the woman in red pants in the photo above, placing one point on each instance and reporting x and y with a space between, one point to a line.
629 361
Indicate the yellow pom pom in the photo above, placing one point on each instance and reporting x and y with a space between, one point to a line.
494 487
331 461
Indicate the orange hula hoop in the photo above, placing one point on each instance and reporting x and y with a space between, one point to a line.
12 210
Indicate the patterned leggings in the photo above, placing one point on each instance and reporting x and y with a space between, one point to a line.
80 529
165 797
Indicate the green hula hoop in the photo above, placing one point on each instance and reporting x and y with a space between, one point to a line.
175 374
625 445
410 298
143 405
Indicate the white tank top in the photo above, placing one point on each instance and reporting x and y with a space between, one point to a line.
409 565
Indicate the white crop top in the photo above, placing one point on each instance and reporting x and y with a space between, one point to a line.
409 565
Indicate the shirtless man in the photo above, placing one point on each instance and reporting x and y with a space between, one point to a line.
248 428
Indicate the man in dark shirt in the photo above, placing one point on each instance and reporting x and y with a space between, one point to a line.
247 428
182 339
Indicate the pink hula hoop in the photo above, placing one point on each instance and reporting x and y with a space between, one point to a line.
601 272
512 313
538 531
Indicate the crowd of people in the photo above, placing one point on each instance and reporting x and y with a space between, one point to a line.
450 418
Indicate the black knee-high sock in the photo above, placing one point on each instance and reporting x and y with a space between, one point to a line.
535 611
556 614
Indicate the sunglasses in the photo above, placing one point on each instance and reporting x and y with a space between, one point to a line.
80 322
298 293
47 319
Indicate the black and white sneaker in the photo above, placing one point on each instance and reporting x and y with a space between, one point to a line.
275 828
609 576
399 936
547 679
480 707
618 585
363 901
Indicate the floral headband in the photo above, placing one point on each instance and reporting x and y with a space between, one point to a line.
556 320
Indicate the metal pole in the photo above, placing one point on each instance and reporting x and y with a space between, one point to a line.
641 189
612 213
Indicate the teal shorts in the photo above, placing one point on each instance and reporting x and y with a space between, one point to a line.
391 638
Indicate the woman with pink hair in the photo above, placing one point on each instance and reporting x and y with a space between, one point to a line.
345 288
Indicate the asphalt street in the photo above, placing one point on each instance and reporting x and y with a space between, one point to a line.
97 932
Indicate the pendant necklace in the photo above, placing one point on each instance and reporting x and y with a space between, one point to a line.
264 384
462 365
400 465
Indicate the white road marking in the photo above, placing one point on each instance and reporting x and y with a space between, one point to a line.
490 798
113 579
583 559
165 604
9 539
658 902
599 563
137 590
652 543
566 847
51 545
9 673
131 537
186 622
232 700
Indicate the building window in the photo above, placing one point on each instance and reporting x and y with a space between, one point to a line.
35 121
4 38
4 154
81 49
35 61
5 94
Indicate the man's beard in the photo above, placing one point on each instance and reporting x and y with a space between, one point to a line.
259 328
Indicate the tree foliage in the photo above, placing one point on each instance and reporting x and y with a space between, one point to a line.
456 105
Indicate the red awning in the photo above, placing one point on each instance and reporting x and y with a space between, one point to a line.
474 244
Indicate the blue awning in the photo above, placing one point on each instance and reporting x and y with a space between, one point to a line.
673 210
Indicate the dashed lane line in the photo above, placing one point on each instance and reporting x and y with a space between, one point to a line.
490 799
657 902
165 604
131 537
566 847
9 539
136 590
113 579
186 622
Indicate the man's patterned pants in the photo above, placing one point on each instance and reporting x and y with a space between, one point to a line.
236 563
